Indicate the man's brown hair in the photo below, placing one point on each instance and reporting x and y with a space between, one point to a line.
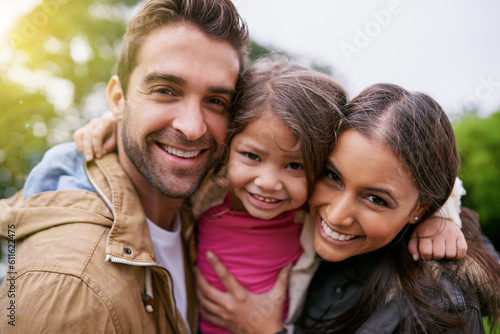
218 19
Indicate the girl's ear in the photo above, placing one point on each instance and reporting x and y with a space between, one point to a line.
418 212
116 99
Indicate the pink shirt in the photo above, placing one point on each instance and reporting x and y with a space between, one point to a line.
253 250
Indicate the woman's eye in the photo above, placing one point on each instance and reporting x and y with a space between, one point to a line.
295 166
250 156
332 176
377 200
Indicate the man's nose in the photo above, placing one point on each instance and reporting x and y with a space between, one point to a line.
191 120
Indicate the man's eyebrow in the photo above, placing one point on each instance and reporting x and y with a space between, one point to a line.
156 76
222 90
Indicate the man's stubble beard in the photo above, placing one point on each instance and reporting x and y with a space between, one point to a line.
161 178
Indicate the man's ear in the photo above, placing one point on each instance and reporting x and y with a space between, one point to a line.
418 212
116 99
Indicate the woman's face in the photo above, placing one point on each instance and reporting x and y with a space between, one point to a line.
364 199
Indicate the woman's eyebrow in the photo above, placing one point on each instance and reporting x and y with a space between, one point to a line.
384 191
332 166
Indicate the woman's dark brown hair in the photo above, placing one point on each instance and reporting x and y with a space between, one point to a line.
419 133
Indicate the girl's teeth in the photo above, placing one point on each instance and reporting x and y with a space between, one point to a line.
267 200
335 235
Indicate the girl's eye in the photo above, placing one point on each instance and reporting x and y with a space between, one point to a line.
377 200
251 156
295 166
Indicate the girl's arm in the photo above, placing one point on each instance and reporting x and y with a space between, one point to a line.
440 236
97 137
237 309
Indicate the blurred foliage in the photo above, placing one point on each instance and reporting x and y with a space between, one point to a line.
479 144
23 124
62 55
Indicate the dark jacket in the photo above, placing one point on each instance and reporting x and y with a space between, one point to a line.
337 286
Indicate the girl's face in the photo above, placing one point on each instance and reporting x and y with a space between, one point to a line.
364 199
265 169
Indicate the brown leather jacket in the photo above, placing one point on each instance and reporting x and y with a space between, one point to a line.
81 267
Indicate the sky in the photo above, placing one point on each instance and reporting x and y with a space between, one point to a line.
449 49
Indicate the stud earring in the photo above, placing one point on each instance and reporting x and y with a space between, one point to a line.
415 219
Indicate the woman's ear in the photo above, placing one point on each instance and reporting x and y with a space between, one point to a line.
116 99
418 212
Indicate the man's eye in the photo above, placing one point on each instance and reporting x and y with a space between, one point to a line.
251 156
163 91
295 166
377 200
217 101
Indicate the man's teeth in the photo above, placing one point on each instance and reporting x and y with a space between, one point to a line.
264 199
335 235
179 153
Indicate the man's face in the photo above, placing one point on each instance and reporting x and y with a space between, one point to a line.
176 109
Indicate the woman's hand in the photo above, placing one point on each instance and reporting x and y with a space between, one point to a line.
437 238
97 137
239 310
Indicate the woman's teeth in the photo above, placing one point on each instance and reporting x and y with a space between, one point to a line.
335 235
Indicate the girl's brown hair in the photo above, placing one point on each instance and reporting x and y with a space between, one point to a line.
307 101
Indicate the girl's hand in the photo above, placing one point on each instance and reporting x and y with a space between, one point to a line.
97 137
239 310
437 238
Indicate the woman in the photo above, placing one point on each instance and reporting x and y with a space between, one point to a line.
394 163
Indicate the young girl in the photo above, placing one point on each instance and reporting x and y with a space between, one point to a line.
251 210
252 213
394 163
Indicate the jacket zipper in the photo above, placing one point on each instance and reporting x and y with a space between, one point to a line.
114 259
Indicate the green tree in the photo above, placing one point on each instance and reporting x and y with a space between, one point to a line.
479 145
63 54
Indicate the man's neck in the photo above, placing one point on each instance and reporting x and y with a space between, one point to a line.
160 209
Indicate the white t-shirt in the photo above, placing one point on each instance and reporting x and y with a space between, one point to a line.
168 251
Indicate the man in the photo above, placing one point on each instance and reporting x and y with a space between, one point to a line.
100 247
